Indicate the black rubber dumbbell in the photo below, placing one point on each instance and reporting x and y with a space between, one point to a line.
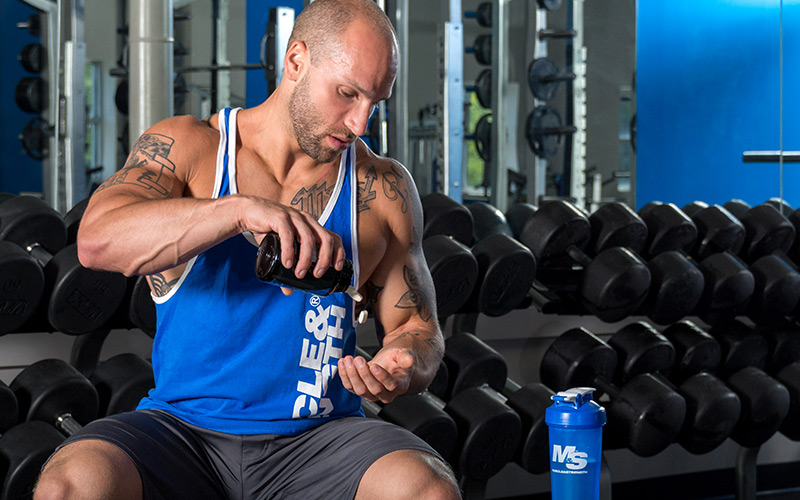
777 284
712 408
676 284
506 268
783 363
447 232
121 382
488 430
767 231
727 282
765 401
475 364
24 448
611 285
78 300
54 392
21 283
645 414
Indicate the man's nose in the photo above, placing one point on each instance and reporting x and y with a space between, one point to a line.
358 120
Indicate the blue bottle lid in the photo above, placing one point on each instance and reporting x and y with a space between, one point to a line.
575 408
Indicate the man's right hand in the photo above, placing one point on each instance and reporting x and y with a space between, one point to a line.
260 216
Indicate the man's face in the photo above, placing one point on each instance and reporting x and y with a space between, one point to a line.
310 128
332 102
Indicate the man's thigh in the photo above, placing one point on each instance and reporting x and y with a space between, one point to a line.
326 462
172 461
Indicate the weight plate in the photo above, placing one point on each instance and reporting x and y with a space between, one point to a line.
483 137
540 122
32 58
538 70
483 88
31 94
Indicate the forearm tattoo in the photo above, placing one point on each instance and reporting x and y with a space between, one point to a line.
416 297
313 199
146 164
427 339
160 285
365 192
394 187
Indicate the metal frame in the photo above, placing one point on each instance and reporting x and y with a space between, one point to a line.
453 109
578 178
499 141
279 29
398 123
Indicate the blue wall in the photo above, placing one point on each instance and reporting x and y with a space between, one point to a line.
257 17
707 90
18 172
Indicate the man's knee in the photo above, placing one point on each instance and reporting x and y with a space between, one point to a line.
408 474
89 469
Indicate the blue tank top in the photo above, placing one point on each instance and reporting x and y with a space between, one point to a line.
233 354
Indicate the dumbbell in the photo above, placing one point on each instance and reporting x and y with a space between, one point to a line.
712 409
78 299
419 415
767 231
676 284
487 429
54 392
777 284
474 363
24 448
783 363
21 283
121 382
765 401
612 285
447 230
728 283
644 414
506 268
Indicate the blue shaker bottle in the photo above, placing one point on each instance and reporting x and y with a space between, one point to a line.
575 425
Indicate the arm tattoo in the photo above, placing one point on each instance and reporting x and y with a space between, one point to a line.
428 340
160 284
365 192
313 199
415 297
150 153
393 188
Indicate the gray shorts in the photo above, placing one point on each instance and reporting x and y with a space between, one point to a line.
178 460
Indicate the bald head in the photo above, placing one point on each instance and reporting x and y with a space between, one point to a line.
322 25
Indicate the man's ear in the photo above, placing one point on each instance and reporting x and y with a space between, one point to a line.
295 61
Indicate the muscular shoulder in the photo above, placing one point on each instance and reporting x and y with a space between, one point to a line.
386 192
184 139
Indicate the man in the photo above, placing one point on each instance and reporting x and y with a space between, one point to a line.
257 393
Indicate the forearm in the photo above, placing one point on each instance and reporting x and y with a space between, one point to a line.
426 344
149 236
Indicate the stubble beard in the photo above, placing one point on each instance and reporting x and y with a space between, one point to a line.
305 121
